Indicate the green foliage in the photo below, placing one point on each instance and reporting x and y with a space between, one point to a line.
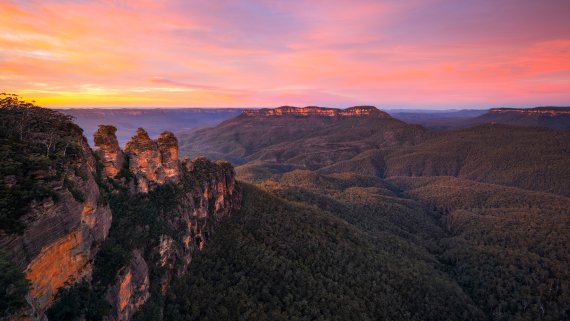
76 193
13 286
80 301
36 145
529 158
302 142
505 246
278 260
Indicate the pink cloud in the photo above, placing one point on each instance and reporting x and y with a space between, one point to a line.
267 53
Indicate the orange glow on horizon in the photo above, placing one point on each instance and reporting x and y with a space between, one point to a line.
435 53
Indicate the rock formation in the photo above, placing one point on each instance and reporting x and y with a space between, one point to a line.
208 193
153 162
131 289
168 148
355 111
63 234
538 111
107 146
57 245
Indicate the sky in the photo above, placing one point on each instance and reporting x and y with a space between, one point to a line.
183 53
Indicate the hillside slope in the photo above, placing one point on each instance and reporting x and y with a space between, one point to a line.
311 140
526 157
530 158
487 206
547 117
279 260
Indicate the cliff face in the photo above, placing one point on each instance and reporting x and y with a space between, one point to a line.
153 162
550 117
57 245
107 146
66 231
131 289
357 111
209 195
201 194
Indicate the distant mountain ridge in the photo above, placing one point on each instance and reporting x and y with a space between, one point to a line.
549 117
317 111
551 111
487 205
384 147
310 137
154 120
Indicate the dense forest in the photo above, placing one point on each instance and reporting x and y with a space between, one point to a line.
485 206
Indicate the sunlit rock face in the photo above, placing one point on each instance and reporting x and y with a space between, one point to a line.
59 242
168 148
59 245
356 111
131 288
107 146
208 193
153 162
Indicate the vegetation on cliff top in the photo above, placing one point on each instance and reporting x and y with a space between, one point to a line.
35 146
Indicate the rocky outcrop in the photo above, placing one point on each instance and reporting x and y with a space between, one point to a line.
64 232
206 193
538 111
357 111
107 147
153 162
210 194
131 288
168 148
59 241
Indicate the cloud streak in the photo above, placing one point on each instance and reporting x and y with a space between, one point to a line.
434 53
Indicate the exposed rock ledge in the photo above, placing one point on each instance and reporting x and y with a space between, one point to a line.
356 111
542 111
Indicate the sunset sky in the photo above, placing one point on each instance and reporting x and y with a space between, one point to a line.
393 54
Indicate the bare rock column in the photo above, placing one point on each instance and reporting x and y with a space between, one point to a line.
168 147
107 146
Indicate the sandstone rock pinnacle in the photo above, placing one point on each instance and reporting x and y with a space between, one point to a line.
107 146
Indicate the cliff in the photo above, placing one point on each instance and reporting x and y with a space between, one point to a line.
550 117
57 196
158 229
311 111
71 216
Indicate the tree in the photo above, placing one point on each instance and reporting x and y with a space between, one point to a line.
13 286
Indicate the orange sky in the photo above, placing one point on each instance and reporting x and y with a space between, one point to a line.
393 54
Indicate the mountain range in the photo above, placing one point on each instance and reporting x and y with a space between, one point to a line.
550 117
154 120
328 214
486 206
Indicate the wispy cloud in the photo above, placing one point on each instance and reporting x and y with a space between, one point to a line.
437 53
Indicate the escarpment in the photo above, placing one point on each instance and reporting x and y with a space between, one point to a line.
118 225
62 219
160 226
356 111
537 111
